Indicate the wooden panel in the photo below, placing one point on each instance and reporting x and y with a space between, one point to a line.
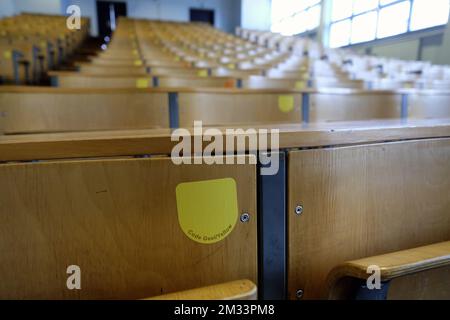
363 201
113 70
427 285
52 112
429 106
91 81
193 82
233 109
117 220
348 107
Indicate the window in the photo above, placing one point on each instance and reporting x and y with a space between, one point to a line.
291 17
356 21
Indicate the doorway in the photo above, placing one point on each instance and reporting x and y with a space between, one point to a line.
107 14
201 15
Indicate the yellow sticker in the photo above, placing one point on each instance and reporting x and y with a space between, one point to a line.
408 85
202 73
207 210
299 85
137 62
231 66
7 55
142 83
286 103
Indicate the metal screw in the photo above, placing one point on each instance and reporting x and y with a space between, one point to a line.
299 210
245 217
299 293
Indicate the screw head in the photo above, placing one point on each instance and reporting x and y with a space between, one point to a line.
299 293
245 217
299 210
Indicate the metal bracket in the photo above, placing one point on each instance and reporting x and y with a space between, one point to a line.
272 251
174 121
364 293
16 55
305 107
155 81
404 107
35 70
54 81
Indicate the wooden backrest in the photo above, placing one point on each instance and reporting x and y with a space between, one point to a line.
360 201
118 220
430 105
52 110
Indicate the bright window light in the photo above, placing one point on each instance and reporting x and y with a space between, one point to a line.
341 9
367 20
427 14
340 33
360 6
385 2
290 17
393 19
364 27
313 17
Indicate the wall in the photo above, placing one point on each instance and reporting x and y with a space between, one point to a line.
425 45
38 6
256 14
227 12
6 8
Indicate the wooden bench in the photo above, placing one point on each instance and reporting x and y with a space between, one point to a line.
111 203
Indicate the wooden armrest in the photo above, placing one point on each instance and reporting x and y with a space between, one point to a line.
235 290
396 264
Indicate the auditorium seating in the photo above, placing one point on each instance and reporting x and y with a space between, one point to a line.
33 44
87 175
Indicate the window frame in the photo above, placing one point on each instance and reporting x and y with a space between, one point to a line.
378 9
307 8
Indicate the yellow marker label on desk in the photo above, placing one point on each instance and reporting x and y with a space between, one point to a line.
202 73
138 63
208 209
231 66
142 83
7 55
286 103
299 85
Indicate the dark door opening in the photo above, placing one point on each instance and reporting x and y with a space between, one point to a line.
202 15
107 14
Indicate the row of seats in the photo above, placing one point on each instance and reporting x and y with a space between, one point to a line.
31 45
87 175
